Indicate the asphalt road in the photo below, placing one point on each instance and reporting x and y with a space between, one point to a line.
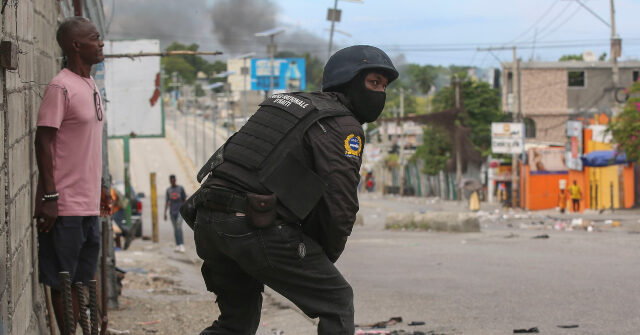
474 283
495 281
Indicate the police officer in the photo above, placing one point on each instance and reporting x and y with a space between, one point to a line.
280 197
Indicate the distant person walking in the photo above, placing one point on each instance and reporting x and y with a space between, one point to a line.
562 200
576 194
68 148
175 198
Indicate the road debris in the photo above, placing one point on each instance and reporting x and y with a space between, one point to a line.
543 236
568 326
148 323
383 324
526 331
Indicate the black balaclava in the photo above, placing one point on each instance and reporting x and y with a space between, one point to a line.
367 104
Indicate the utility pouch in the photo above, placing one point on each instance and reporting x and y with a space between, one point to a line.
261 209
188 210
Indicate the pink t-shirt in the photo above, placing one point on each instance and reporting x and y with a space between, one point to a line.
68 105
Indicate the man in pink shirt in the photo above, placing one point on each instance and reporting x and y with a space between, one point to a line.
68 145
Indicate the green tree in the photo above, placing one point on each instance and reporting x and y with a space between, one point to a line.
603 57
435 150
422 77
566 58
188 66
482 104
625 128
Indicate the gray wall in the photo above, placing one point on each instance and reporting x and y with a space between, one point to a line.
31 24
593 96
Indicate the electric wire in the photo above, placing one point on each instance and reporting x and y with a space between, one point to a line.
535 23
555 18
562 23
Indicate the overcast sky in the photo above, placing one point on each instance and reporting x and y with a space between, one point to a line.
434 31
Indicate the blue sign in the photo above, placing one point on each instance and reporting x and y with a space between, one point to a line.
288 74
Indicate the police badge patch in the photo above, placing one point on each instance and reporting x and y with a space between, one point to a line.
353 146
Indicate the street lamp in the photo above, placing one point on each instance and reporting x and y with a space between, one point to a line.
227 104
334 15
213 114
271 49
245 71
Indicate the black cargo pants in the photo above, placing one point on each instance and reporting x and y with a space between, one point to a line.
239 259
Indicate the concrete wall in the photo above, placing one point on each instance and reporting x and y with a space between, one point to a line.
544 99
549 101
31 25
595 96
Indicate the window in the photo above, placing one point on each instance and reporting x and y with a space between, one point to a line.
635 76
576 78
529 128
509 82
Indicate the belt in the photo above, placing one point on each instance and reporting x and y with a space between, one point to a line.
224 200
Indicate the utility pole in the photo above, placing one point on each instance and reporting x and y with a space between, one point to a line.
616 45
271 50
616 49
401 129
517 116
195 138
204 139
176 87
334 16
515 181
457 144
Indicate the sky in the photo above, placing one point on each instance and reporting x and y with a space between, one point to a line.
444 32
416 27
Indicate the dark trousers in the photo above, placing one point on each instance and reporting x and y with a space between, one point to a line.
576 204
239 259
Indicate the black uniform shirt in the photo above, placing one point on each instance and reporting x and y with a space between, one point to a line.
334 147
333 150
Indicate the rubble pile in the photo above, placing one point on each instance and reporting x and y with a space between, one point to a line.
434 221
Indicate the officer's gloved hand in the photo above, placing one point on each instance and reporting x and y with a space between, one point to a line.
188 210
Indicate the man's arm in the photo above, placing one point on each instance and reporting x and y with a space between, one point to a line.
46 211
166 204
335 214
183 194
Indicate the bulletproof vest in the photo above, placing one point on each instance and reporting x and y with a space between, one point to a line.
267 154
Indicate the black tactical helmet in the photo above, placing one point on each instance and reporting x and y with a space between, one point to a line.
345 65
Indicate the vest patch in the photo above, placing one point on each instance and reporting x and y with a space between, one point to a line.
353 146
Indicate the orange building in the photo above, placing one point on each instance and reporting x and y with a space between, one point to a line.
602 187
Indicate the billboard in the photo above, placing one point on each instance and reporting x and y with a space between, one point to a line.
289 74
507 138
547 160
133 89
574 145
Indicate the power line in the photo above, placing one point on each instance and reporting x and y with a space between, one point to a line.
536 22
541 31
562 23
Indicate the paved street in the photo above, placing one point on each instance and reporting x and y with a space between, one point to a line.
490 282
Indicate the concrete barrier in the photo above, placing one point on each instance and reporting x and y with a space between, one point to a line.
435 221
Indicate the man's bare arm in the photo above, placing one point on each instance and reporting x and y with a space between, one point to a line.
46 211
44 157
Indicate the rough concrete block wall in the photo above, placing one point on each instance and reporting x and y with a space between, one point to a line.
544 99
31 25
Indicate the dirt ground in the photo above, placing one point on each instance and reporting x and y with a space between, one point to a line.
156 298
163 293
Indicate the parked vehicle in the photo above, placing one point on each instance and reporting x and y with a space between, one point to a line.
136 206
